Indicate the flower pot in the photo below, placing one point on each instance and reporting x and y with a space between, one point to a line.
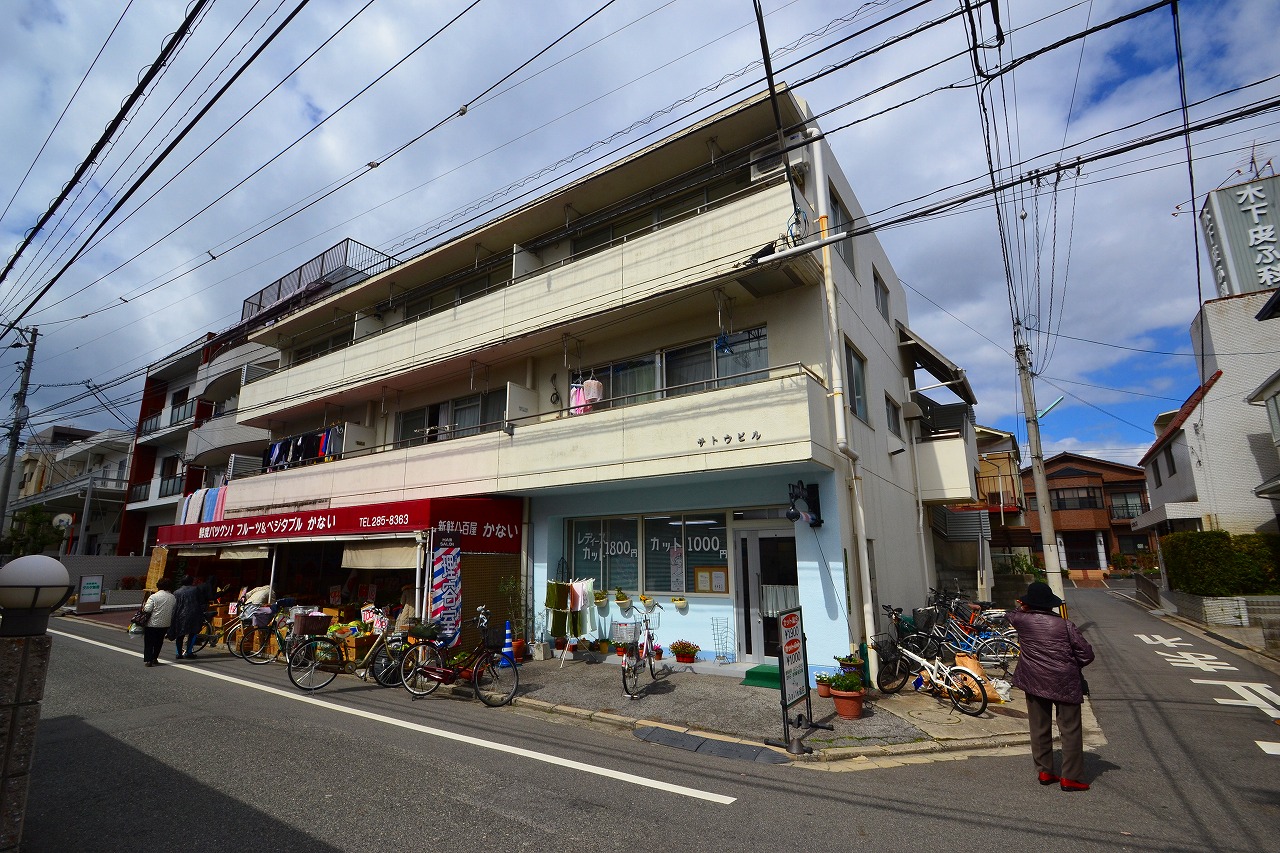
685 658
622 651
517 649
623 603
848 704
824 689
657 654
560 641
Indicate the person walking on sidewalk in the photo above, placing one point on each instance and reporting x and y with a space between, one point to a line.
188 616
160 605
1049 672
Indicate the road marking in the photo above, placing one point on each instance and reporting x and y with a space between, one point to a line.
570 764
1269 747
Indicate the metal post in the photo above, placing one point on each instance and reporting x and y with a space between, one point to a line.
84 517
1048 538
15 432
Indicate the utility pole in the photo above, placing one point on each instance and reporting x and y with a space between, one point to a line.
1048 537
19 419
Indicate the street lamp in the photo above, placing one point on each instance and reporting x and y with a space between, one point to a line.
31 588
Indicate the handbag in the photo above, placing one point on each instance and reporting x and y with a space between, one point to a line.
140 619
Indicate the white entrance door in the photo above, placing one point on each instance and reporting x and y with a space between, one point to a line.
766 585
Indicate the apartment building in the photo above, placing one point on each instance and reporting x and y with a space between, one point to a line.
77 478
1212 457
657 377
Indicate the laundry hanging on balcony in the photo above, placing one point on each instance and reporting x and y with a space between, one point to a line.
203 505
324 445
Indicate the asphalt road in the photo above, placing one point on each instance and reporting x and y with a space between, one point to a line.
221 756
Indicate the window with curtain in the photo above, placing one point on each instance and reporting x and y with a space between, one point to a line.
856 379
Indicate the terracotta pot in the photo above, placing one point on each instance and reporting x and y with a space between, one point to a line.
560 641
657 655
685 658
622 651
824 689
848 704
517 649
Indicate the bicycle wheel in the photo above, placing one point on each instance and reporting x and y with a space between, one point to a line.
631 671
998 656
965 690
384 668
418 660
893 674
255 645
231 639
314 663
205 636
496 679
653 666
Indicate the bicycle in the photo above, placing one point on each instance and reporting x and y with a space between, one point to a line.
228 634
638 651
385 657
264 641
961 685
492 672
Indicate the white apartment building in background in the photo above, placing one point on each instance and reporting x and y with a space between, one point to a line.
630 379
1212 455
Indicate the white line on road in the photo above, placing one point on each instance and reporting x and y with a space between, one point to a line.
434 732
1269 747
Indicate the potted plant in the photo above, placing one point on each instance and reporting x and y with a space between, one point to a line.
823 680
657 652
601 597
685 651
624 600
679 602
847 693
849 662
647 603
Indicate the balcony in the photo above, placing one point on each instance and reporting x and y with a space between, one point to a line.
170 486
619 278
140 492
1126 512
219 437
183 412
781 417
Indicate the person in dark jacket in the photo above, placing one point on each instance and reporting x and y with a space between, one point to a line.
188 616
1049 672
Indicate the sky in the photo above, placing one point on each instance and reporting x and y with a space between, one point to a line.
1106 277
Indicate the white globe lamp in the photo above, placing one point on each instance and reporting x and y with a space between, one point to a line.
31 588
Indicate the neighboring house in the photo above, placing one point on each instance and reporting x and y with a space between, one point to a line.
1267 395
1212 456
974 540
1093 502
76 476
633 379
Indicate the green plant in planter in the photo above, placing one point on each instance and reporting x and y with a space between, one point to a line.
512 589
848 661
822 678
846 682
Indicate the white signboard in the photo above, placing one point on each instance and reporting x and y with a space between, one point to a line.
89 594
791 660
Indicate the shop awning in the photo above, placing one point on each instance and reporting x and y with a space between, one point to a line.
380 555
936 364
197 552
248 552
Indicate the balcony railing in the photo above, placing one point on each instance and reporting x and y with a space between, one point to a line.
139 492
151 424
999 490
1126 511
170 486
185 412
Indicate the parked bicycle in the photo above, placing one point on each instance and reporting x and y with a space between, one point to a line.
638 652
492 672
269 636
383 659
229 634
961 685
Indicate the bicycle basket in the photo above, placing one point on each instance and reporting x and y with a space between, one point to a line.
495 637
624 633
884 645
429 631
262 617
924 618
306 624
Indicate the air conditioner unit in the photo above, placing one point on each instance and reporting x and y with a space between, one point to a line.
766 160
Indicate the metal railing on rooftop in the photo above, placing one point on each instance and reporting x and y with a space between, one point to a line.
338 267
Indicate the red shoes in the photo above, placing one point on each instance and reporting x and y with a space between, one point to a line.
1069 785
1047 778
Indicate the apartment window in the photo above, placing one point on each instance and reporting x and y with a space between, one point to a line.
179 397
882 294
464 416
856 368
893 416
1126 504
716 363
1080 498
1155 472
841 220
1168 459
169 466
322 346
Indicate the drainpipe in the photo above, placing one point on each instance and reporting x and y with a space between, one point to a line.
835 348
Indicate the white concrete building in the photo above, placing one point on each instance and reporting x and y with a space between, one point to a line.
650 364
1211 455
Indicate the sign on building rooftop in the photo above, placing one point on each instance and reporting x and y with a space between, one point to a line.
1240 225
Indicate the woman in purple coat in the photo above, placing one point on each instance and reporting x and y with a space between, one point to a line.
1049 672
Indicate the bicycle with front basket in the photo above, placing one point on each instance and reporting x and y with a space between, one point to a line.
492 672
961 685
638 652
